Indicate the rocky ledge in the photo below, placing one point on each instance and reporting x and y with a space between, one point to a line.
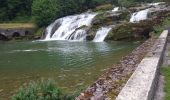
109 85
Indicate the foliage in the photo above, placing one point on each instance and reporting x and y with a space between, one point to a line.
39 32
41 90
166 72
44 12
159 28
13 8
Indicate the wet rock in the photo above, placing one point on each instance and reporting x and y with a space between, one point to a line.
107 18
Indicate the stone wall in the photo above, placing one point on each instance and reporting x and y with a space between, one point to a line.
11 33
141 85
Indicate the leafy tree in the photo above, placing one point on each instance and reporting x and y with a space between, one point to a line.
13 8
44 11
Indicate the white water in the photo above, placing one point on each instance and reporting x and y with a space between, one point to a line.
101 34
115 9
138 16
155 4
68 28
143 14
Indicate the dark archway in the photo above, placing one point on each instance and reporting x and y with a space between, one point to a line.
16 34
27 32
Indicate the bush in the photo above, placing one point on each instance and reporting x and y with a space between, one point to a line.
41 90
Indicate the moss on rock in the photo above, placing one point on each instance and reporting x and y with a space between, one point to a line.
131 31
102 8
107 18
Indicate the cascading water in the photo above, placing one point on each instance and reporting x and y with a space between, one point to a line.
101 34
70 27
155 4
138 16
143 14
115 9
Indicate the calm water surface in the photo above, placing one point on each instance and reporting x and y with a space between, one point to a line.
72 64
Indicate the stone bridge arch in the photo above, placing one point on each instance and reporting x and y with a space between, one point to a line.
12 33
3 37
16 34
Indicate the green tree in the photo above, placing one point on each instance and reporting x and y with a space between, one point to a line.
3 9
10 9
45 11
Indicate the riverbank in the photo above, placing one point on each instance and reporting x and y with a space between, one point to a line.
143 83
20 31
165 71
110 84
17 25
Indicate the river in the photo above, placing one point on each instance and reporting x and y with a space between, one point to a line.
73 65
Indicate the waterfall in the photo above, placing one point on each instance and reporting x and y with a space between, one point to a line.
138 16
101 34
156 4
69 27
115 9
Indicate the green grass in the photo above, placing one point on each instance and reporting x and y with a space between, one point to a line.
166 72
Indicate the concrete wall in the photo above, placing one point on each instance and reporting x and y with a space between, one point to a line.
141 85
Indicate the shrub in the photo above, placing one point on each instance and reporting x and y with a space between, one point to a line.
41 90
